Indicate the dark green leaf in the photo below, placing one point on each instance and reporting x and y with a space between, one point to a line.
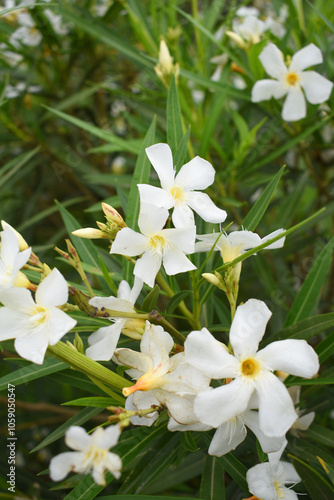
151 299
176 299
32 372
181 150
212 482
188 441
317 487
174 118
304 329
98 402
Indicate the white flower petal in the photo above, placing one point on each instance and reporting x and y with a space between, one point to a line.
175 261
77 438
180 408
317 88
264 90
151 218
268 444
260 481
174 426
141 362
243 240
63 464
160 155
53 290
207 241
248 327
276 410
156 342
98 473
112 303
103 342
183 216
278 243
292 356
196 174
147 267
182 238
59 323
18 299
113 464
205 208
209 355
11 324
143 400
20 260
186 379
272 61
9 247
306 57
294 107
123 291
155 196
216 406
108 438
128 242
289 473
136 289
32 346
304 422
227 437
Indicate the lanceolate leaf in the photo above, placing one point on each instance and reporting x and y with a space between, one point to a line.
259 208
174 118
181 150
32 372
309 293
212 482
317 487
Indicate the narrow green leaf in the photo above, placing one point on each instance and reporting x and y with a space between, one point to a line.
79 419
32 372
188 441
326 348
176 300
321 434
182 150
309 294
212 13
259 208
98 402
322 16
212 482
151 299
14 165
174 118
304 329
317 487
214 113
107 276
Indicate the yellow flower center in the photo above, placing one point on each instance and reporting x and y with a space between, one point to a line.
292 79
250 368
178 194
278 489
94 456
150 380
39 315
157 243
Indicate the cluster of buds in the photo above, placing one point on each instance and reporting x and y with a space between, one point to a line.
166 67
108 230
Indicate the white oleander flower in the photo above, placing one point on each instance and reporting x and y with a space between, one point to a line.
267 480
103 341
250 369
13 91
91 454
12 260
292 80
27 34
179 191
156 245
35 325
161 378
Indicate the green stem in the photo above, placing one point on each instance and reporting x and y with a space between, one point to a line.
155 317
108 391
183 308
85 365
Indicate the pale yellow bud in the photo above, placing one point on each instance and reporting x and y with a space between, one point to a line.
165 59
21 281
134 328
90 233
237 39
112 215
215 279
23 245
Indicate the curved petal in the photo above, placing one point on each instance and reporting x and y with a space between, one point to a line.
112 303
143 400
151 219
173 426
207 241
244 240
77 438
147 267
216 406
160 155
248 327
108 438
304 422
33 346
294 107
276 410
196 174
209 355
182 238
260 481
186 379
53 290
9 247
141 362
136 289
11 324
155 196
19 299
276 244
128 242
98 470
183 216
264 90
227 437
63 464
103 342
156 342
180 408
59 323
20 260
289 473
317 88
123 291
175 261
268 444
306 57
113 464
272 61
292 356
205 208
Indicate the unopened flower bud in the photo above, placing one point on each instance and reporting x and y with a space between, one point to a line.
112 215
22 281
215 279
237 39
134 328
90 233
166 67
23 245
